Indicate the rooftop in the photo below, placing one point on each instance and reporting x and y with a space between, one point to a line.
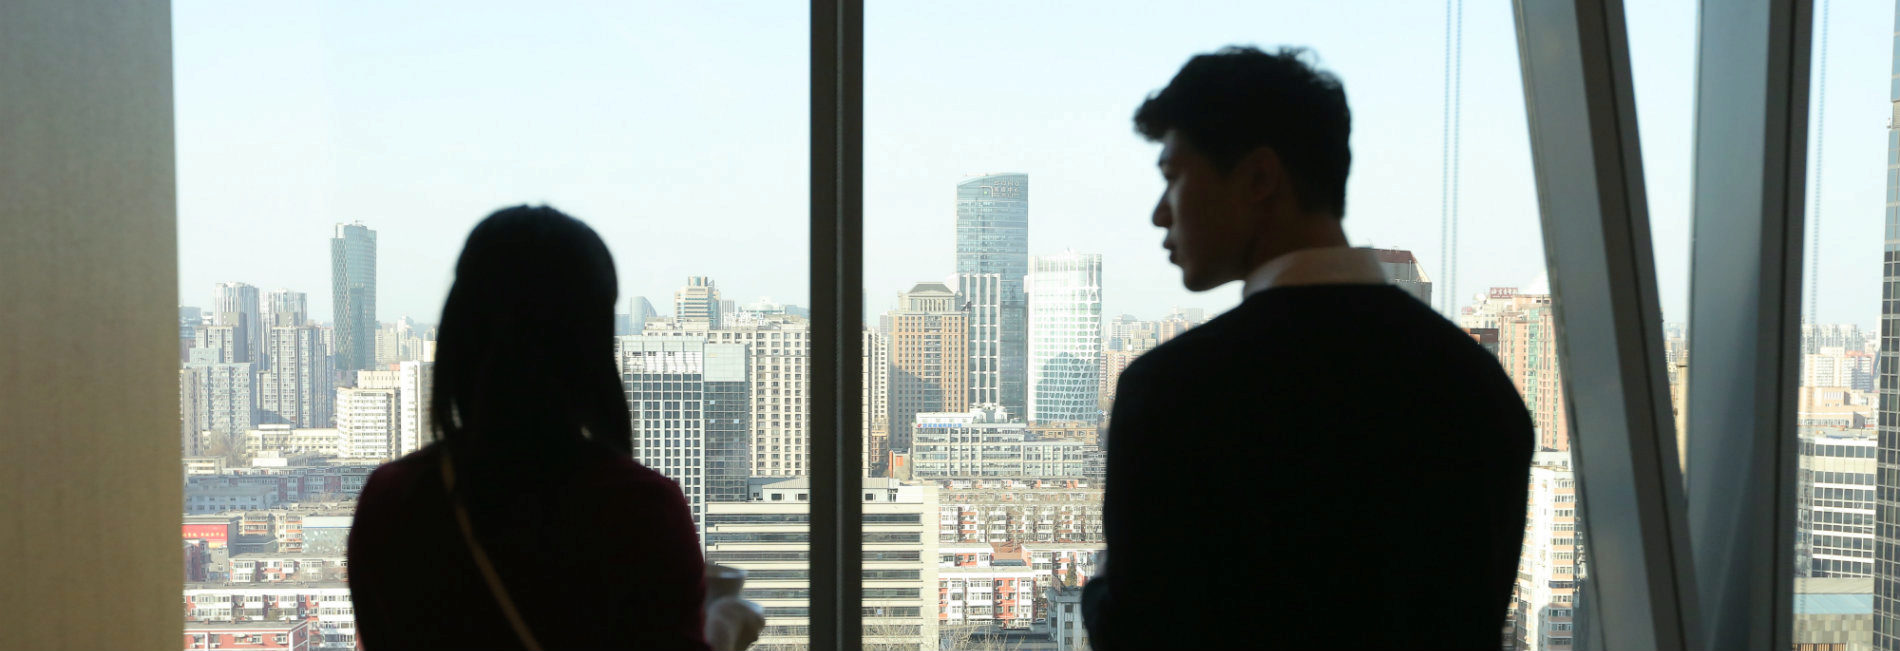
1834 596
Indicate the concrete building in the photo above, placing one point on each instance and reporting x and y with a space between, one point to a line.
993 238
768 535
1065 338
414 389
204 499
284 440
280 567
1527 347
1846 336
1403 270
1834 508
222 394
1833 614
353 297
690 414
874 399
980 297
929 358
1834 366
1544 605
983 443
1836 407
237 306
778 357
1064 512
366 422
697 302
1005 584
323 607
299 389
1065 618
283 635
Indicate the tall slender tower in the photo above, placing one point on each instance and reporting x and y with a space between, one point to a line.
993 238
1065 338
1887 473
237 306
353 295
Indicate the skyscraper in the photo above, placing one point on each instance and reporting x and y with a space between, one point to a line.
698 301
353 293
236 305
778 352
980 297
689 414
993 238
929 358
1065 338
1887 473
875 399
639 309
285 308
223 394
299 388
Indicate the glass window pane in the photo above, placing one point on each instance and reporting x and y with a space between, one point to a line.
1843 421
1012 273
332 161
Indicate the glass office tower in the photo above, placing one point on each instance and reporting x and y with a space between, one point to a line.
993 238
353 290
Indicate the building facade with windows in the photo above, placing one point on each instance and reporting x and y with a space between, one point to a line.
769 536
1544 605
366 423
983 443
1065 338
698 302
778 356
353 297
1834 505
929 358
993 238
690 414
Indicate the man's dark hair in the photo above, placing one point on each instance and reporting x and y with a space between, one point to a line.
1238 99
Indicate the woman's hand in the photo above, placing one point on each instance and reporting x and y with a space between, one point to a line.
732 624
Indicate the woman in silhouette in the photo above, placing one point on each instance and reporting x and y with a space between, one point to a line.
526 524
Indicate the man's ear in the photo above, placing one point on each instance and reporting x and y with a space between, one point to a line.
1260 175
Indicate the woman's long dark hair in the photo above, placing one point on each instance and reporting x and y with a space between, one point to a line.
524 360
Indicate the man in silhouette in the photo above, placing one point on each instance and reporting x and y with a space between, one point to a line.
1330 464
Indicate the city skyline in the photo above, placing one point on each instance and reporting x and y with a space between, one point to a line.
334 136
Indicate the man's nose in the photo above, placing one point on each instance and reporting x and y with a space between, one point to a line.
1162 218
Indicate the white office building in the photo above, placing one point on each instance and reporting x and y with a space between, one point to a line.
981 297
778 353
415 387
1546 599
1065 337
690 416
769 536
1834 508
366 422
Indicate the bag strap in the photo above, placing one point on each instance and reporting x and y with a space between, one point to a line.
481 560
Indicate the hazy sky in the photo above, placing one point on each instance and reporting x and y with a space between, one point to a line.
679 131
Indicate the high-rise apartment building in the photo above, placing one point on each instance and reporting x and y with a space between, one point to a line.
366 422
769 536
353 296
1403 269
1833 366
993 238
778 354
222 394
1544 605
1834 508
697 302
1065 338
1846 336
874 395
299 387
981 297
284 307
929 358
224 340
690 414
1527 348
415 388
237 306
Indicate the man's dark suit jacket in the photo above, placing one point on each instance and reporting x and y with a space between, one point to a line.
1324 467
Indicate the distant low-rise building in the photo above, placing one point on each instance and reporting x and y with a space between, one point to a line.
275 636
322 606
984 444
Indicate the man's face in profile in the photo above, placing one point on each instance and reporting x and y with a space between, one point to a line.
1208 231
